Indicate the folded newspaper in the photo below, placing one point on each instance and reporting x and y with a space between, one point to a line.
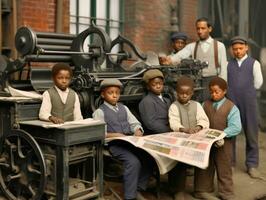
168 148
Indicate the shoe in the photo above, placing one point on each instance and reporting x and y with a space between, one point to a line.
254 173
179 196
205 195
140 196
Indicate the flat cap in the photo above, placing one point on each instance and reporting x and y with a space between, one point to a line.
239 40
110 82
178 35
152 73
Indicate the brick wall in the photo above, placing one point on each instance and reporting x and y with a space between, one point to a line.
41 15
148 23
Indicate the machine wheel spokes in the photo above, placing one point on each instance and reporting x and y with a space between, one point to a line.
22 167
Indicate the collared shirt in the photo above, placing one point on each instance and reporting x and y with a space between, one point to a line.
188 51
46 107
132 120
257 74
233 119
175 120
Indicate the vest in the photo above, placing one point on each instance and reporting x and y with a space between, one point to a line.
218 118
208 56
241 80
187 113
116 121
59 109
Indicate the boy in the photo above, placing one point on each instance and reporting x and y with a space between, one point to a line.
244 78
60 103
185 115
179 41
121 122
153 108
224 116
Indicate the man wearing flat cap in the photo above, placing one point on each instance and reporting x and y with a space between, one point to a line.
179 41
153 108
205 49
244 78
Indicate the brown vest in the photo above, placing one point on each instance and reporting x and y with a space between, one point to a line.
218 118
64 111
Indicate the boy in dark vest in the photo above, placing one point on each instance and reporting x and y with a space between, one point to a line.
120 123
153 108
188 116
60 103
244 78
224 116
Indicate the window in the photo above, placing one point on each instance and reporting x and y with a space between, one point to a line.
107 14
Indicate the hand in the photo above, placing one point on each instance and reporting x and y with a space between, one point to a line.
196 129
166 60
56 120
219 143
138 133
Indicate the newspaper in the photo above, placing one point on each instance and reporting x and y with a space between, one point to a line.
168 148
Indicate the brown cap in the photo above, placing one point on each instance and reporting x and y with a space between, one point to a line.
110 82
152 73
239 40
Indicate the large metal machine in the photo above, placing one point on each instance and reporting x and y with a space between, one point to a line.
34 161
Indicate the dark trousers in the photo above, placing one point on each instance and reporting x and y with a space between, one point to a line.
177 177
220 160
137 169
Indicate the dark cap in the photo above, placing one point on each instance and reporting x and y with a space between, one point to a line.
110 82
239 40
178 35
152 73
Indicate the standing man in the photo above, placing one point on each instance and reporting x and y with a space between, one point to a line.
205 49
244 77
179 41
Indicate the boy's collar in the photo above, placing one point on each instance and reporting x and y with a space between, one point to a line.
58 89
108 104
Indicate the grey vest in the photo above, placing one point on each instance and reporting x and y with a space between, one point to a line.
64 111
187 113
208 56
116 121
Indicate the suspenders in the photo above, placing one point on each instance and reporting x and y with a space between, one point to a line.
215 48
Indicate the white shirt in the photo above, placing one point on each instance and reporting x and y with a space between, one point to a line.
46 107
188 51
175 119
257 74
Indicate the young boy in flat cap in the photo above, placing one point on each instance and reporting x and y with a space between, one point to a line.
224 116
60 103
244 78
188 116
179 41
153 108
121 122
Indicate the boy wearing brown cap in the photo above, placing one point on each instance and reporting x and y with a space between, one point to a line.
244 78
224 116
121 122
153 108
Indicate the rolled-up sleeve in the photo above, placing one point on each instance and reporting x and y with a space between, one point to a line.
46 107
133 122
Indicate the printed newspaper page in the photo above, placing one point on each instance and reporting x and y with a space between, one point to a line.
166 148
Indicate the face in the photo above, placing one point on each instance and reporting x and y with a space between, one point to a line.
62 79
239 50
217 93
203 30
111 95
156 86
184 94
178 44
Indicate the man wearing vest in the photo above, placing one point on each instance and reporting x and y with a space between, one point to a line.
244 77
205 49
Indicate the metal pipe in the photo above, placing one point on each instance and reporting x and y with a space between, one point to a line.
54 41
42 51
55 47
59 16
55 35
48 58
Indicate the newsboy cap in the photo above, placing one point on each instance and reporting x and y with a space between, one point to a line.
178 35
152 73
110 82
239 40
